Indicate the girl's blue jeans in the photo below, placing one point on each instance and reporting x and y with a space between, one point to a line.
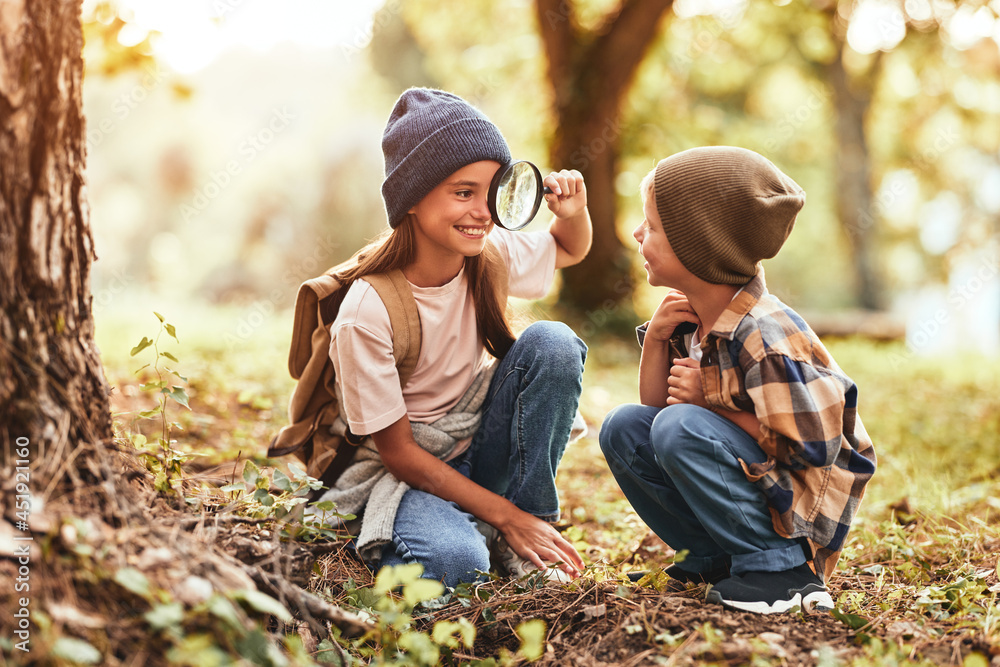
679 467
527 416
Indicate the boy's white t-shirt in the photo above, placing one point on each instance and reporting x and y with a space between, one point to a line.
450 350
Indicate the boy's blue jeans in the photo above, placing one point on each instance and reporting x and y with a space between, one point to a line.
527 417
679 468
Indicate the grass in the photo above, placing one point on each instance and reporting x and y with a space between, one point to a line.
923 550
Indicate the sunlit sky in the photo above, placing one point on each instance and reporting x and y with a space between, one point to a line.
192 33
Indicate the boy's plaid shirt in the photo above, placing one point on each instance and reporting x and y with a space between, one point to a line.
762 357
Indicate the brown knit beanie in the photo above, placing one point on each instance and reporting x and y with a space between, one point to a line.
724 209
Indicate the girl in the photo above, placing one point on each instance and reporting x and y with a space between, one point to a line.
463 458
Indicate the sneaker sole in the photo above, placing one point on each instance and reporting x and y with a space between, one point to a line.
814 600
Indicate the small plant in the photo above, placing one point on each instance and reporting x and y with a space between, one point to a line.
165 466
288 505
399 592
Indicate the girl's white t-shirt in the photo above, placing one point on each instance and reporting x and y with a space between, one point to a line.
450 350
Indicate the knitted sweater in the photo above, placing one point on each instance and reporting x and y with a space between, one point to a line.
370 491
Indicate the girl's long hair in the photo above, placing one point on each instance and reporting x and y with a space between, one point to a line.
486 273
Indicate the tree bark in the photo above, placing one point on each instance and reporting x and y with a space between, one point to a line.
53 394
590 74
855 208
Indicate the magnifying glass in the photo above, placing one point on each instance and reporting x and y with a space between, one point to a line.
515 194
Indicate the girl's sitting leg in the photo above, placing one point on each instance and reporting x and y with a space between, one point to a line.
527 417
440 536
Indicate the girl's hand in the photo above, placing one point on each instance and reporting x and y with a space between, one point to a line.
685 383
537 541
672 311
569 194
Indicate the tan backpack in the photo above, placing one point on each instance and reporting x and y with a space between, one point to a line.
313 407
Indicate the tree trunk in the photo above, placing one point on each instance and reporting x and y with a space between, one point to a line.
590 74
853 167
53 394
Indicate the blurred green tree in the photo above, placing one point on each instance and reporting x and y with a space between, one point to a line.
780 77
590 72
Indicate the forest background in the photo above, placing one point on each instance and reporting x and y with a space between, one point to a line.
233 151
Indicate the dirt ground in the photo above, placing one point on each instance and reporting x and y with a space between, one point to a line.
104 516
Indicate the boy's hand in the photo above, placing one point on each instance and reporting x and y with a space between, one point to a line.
569 194
685 383
672 311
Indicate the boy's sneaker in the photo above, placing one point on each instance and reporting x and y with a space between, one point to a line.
772 592
680 578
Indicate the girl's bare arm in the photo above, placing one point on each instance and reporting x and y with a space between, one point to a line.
529 536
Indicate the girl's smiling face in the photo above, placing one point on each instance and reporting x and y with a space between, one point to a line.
453 220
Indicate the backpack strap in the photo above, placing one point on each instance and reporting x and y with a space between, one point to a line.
395 292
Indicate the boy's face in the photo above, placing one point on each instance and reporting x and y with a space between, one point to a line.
662 266
454 219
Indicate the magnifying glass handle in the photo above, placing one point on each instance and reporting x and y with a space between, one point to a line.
546 190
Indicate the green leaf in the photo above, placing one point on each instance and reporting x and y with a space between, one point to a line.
173 372
532 635
138 439
143 344
179 395
146 414
281 481
161 482
422 590
250 474
165 615
159 317
420 646
445 631
169 356
133 580
853 621
389 578
263 603
326 653
975 660
198 650
76 650
172 331
222 608
229 488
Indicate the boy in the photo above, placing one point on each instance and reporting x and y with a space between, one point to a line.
746 450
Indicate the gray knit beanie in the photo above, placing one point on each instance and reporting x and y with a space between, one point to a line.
724 209
430 135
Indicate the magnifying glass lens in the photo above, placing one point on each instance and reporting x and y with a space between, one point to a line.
515 194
